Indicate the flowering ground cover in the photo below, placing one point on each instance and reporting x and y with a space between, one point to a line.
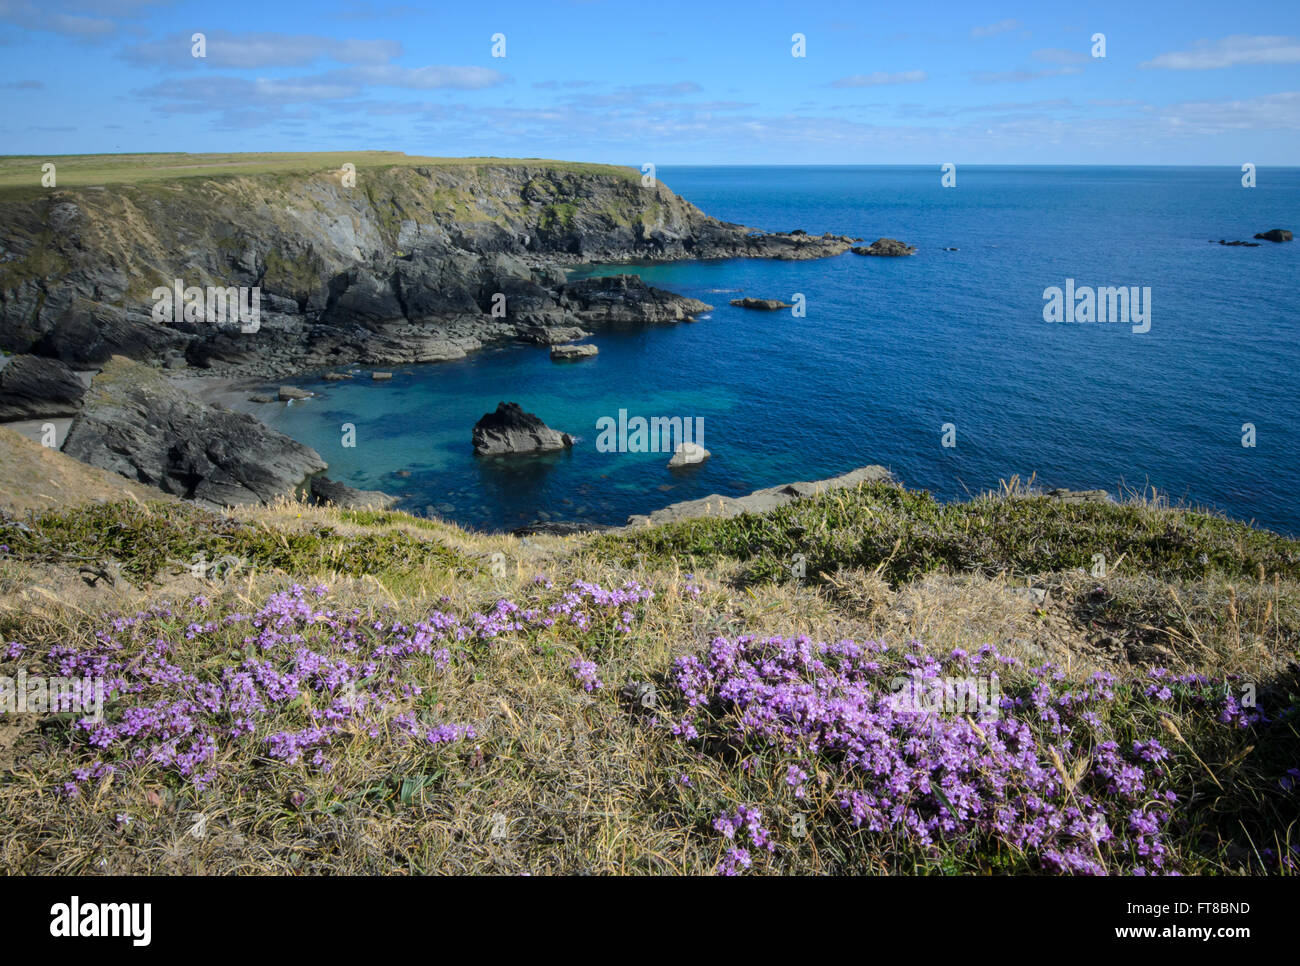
1062 776
412 710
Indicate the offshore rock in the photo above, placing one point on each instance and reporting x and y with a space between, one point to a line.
511 430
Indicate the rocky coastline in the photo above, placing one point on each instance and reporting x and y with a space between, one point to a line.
108 322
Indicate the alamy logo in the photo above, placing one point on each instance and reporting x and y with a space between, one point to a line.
939 695
659 434
70 920
1127 305
235 305
22 694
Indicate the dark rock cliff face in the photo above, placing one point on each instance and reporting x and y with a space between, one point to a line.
138 424
413 264
32 387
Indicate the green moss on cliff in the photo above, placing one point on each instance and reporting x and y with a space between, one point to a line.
41 262
297 276
561 215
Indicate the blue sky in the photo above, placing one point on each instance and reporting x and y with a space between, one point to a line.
669 82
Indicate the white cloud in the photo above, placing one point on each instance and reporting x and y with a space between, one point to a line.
879 78
1230 52
418 78
993 29
24 13
1021 76
1267 112
243 51
1058 55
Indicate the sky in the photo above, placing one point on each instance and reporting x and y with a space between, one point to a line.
701 82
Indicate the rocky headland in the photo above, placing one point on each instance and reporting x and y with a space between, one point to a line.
413 264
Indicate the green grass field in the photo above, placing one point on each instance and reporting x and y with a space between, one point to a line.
20 175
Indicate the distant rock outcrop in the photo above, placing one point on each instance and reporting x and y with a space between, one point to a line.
553 334
1275 235
35 388
137 423
511 430
562 353
760 500
763 304
890 247
626 298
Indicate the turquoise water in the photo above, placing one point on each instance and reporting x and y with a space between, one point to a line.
891 350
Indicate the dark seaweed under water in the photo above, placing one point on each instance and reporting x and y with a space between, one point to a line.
890 351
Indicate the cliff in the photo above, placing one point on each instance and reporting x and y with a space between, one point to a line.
412 263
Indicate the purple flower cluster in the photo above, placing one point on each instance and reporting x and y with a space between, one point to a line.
307 677
745 824
1046 778
586 674
321 671
585 602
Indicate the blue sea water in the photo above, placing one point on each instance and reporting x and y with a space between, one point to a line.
891 349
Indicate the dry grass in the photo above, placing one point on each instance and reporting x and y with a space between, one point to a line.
564 781
34 477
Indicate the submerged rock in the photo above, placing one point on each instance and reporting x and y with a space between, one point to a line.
511 430
890 247
290 393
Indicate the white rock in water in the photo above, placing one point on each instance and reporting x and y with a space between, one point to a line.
689 453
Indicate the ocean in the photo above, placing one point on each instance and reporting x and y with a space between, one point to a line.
894 356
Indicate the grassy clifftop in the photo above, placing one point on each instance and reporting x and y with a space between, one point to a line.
360 691
20 175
